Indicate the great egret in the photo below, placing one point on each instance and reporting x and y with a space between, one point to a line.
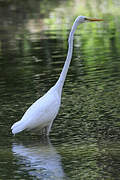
40 115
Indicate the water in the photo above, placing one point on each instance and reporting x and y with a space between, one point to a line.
84 140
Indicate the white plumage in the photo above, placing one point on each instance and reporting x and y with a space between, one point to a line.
40 115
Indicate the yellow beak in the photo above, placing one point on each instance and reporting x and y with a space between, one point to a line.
94 19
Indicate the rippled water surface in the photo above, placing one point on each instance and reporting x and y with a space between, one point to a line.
84 140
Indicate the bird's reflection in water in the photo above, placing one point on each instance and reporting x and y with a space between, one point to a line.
40 160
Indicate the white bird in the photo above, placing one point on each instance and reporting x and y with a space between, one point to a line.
40 114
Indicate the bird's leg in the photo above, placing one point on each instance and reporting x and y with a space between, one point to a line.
48 129
44 131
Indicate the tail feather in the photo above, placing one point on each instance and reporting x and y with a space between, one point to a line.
17 127
15 124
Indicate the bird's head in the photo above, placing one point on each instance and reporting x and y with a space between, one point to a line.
82 19
79 20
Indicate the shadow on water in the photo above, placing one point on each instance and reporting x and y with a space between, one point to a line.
38 160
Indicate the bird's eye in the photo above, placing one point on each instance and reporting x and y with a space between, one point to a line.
85 19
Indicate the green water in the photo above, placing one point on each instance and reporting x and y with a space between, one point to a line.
84 140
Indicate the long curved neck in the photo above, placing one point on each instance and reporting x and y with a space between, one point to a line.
63 74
